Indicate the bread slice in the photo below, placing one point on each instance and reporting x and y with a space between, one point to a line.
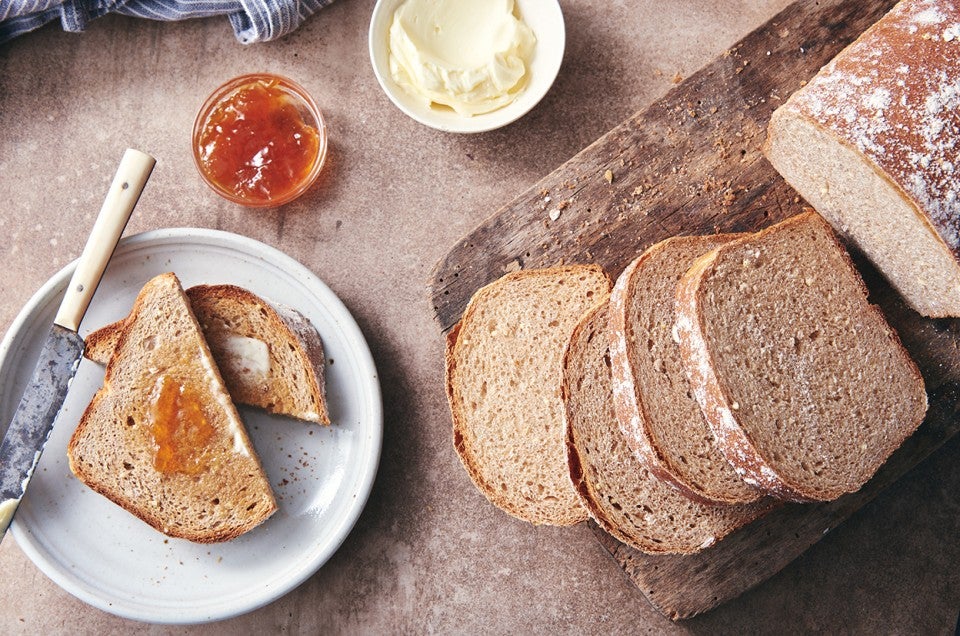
270 356
658 414
161 438
623 496
805 386
884 118
503 374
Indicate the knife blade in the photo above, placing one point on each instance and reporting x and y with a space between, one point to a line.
63 348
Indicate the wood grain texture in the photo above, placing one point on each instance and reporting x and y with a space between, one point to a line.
688 164
691 164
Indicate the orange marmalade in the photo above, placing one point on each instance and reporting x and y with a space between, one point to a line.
180 430
259 140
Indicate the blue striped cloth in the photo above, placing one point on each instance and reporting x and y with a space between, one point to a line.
252 20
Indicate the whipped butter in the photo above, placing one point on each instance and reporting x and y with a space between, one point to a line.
468 55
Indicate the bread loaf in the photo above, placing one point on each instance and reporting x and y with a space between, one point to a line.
873 143
658 414
269 356
503 374
806 387
624 498
161 438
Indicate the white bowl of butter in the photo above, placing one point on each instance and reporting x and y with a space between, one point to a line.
466 66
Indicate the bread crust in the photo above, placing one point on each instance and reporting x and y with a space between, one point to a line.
716 404
630 402
574 462
463 441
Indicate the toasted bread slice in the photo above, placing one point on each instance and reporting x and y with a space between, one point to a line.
625 498
806 387
503 382
162 438
270 356
658 414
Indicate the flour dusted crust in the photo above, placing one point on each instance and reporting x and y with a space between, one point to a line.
634 408
721 412
731 437
873 143
895 95
622 496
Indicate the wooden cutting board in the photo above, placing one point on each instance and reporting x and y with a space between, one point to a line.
691 164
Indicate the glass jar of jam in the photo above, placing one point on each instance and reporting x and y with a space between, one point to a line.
260 140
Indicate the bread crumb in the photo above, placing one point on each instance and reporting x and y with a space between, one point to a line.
677 78
512 266
554 214
608 175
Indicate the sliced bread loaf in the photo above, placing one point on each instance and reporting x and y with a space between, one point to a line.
503 374
884 118
658 414
626 499
161 438
270 356
806 387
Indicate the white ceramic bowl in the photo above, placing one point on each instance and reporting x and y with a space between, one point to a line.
544 18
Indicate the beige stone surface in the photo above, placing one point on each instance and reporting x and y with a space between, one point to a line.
429 554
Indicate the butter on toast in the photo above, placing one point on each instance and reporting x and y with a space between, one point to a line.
161 438
270 356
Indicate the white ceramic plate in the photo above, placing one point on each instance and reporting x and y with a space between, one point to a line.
321 475
545 19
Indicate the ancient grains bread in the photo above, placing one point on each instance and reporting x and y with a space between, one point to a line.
658 414
806 387
162 438
270 356
873 143
503 373
622 496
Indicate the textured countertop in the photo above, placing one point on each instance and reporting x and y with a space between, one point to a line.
428 554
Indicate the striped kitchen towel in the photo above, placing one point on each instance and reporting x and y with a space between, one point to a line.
252 20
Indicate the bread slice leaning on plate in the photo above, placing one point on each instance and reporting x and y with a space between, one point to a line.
162 438
270 356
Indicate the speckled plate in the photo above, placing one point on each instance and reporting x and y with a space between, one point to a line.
321 475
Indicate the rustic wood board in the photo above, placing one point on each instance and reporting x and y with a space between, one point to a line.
691 164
